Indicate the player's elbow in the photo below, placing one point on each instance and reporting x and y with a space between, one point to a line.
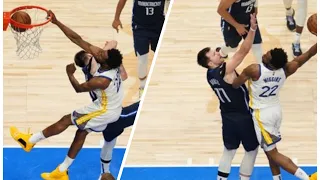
220 10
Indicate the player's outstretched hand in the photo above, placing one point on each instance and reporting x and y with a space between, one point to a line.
116 23
253 21
71 68
54 19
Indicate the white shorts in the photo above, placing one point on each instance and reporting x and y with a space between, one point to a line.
94 117
267 122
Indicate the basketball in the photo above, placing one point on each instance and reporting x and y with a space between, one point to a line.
312 24
21 17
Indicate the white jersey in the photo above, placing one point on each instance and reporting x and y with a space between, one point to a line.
264 92
110 98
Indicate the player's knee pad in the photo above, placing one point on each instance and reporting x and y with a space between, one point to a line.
142 65
226 159
248 161
301 12
106 150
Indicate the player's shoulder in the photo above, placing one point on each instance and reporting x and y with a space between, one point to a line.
254 70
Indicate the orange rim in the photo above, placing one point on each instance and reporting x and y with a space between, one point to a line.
28 26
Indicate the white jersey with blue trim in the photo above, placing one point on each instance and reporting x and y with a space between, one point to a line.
265 91
111 98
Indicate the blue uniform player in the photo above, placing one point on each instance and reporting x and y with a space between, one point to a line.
235 24
147 21
237 124
115 129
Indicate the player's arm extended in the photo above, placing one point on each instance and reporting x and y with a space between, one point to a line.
97 52
119 9
256 7
245 47
250 72
92 84
223 11
296 63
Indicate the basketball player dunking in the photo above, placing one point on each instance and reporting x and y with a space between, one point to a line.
235 23
237 124
147 20
106 85
89 66
265 81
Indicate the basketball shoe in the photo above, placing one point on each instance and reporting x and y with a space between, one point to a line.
55 175
313 176
291 23
21 138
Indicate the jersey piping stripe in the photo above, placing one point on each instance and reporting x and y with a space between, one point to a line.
245 97
265 134
87 117
250 94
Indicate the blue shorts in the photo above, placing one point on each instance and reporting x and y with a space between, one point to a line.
126 119
238 128
143 38
232 38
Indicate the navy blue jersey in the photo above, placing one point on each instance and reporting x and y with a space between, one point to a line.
231 100
86 70
241 10
148 14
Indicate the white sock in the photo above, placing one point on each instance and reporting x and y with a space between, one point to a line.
257 52
289 12
143 83
221 178
277 177
297 38
242 177
37 137
106 155
66 163
301 174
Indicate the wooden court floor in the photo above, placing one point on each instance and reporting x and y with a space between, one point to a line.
180 117
37 92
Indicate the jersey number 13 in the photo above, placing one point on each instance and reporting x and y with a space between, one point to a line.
149 11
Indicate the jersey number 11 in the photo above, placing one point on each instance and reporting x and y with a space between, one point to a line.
222 95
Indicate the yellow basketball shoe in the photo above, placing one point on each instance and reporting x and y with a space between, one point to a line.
313 176
141 92
21 138
55 175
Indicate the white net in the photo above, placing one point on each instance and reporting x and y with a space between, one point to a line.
27 40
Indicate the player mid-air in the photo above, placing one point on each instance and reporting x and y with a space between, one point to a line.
298 24
106 85
89 66
235 24
147 20
265 81
235 112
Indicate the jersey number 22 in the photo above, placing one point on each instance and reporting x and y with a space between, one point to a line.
269 91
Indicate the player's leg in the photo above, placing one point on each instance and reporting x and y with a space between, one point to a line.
300 21
275 169
231 39
250 143
231 144
27 141
61 171
141 46
291 23
106 155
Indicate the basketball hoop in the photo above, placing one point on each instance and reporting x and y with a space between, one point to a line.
27 35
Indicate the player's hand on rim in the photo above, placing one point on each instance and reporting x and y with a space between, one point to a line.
116 23
253 21
71 68
53 19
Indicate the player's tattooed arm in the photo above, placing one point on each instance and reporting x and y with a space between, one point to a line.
97 52
116 22
223 11
296 63
245 47
92 84
250 72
